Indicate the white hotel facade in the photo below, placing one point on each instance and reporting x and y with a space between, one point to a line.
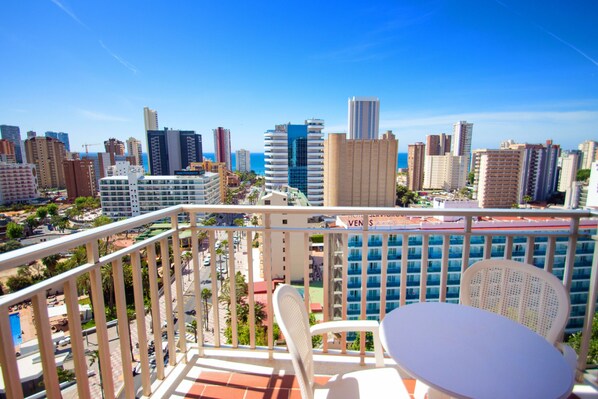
136 194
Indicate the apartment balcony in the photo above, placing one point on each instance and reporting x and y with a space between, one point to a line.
221 364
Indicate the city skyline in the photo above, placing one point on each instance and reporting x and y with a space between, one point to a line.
513 69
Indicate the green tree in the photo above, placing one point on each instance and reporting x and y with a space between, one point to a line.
41 213
240 287
206 296
405 197
316 340
14 231
210 221
465 193
65 375
52 209
254 221
527 199
10 245
51 262
470 178
583 175
575 342
356 344
31 222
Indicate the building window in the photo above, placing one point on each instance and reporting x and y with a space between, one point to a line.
267 202
284 221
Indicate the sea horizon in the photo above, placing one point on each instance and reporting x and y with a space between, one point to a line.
257 160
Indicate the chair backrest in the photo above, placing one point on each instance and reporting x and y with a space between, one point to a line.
293 321
519 291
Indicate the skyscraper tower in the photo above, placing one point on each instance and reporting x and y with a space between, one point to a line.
222 146
47 154
364 118
150 118
60 136
243 161
134 150
462 132
438 144
114 147
294 157
171 150
13 134
415 166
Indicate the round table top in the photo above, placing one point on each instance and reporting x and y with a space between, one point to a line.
467 352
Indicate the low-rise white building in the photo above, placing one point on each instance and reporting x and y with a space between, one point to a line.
592 201
135 194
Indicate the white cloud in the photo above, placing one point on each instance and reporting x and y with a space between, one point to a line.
124 62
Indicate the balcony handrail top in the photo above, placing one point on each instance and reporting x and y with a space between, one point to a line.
345 210
24 255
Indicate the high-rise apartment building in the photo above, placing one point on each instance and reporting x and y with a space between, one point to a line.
360 172
445 172
150 119
569 165
80 178
60 136
461 142
114 147
222 146
589 150
294 157
497 177
415 166
539 175
13 134
7 151
364 118
18 183
243 160
172 150
438 144
31 134
134 150
47 154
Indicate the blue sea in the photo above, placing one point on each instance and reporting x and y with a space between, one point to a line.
257 160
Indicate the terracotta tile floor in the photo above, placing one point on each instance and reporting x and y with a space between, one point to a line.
226 385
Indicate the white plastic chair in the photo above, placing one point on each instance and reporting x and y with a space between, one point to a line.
292 318
522 292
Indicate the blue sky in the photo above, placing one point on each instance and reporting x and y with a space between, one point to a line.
513 68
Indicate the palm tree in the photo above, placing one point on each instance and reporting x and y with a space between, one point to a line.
94 356
206 295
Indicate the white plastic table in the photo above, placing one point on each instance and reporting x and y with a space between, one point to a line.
466 352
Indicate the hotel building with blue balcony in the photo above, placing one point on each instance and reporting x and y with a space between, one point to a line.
399 260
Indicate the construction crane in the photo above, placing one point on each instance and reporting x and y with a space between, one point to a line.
87 147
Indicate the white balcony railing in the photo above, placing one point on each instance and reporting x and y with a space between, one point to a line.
336 279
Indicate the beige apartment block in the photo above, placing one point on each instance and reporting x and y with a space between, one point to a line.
360 172
569 162
291 257
445 172
497 177
47 154
18 182
415 166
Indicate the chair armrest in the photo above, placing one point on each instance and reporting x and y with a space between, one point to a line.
353 325
569 354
